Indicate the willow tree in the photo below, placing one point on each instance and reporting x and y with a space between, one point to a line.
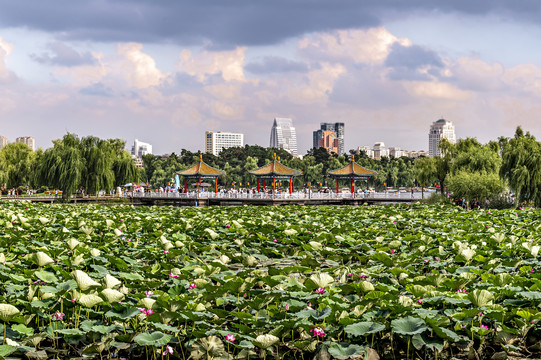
425 172
99 156
62 165
521 166
16 163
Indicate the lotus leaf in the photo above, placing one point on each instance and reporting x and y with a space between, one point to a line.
322 279
265 341
481 297
408 326
89 300
207 348
42 259
7 312
363 328
84 282
112 296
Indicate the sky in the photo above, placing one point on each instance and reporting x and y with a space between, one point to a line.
166 71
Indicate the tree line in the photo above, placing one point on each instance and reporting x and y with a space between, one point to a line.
468 169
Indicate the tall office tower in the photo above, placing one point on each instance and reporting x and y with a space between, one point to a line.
440 129
329 142
3 141
28 140
338 129
140 148
215 142
283 135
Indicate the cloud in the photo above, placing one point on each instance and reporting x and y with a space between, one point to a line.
64 55
370 46
97 89
5 49
228 64
140 69
412 63
276 64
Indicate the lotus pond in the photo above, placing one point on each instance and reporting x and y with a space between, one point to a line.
389 282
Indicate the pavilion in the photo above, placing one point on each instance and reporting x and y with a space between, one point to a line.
200 171
352 171
275 170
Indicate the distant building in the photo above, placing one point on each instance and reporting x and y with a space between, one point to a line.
28 140
3 141
380 150
396 152
138 161
283 135
337 128
329 142
416 154
215 142
440 129
140 148
367 150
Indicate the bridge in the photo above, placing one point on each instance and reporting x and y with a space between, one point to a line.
235 198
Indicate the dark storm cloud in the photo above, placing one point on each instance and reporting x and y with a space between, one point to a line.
405 61
275 64
63 55
233 22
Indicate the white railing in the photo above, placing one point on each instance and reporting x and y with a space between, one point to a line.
282 195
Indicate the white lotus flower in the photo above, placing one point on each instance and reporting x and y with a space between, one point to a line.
467 253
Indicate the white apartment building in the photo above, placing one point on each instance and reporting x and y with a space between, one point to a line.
283 135
28 140
440 129
215 142
396 152
380 150
140 148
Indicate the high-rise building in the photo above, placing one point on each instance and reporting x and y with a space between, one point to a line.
380 150
28 140
3 141
215 142
440 129
329 142
338 129
140 148
283 135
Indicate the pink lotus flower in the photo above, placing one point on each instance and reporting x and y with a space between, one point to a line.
149 293
147 312
227 225
166 252
171 275
420 301
73 300
230 338
363 276
193 286
321 291
480 314
350 274
461 291
531 271
58 316
287 307
275 240
484 327
318 332
168 351
392 251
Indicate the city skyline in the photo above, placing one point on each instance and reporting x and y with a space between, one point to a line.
171 70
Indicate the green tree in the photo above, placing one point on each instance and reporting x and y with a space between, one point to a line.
425 172
16 164
521 166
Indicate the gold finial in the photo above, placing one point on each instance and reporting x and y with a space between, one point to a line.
201 157
278 159
274 155
353 158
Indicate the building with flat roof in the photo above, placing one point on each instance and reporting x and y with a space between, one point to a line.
283 135
3 141
28 140
337 128
140 148
215 142
440 129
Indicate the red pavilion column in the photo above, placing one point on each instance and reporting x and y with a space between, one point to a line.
352 185
216 185
337 186
367 188
257 184
290 186
185 185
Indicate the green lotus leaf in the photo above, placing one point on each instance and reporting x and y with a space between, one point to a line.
89 300
212 233
6 350
109 223
322 279
481 297
363 328
408 326
84 282
111 282
147 302
70 332
112 296
73 243
43 220
95 252
265 341
210 347
2 258
7 312
366 286
42 259
46 276
346 350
